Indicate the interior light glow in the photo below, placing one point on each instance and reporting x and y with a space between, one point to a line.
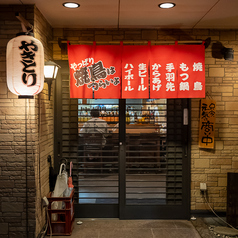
49 71
71 5
167 5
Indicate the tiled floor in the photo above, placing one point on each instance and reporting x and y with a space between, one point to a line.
115 228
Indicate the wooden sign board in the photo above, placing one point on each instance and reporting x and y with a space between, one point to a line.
207 123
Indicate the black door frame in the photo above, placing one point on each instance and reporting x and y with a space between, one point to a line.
155 211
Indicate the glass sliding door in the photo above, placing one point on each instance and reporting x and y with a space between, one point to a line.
97 164
145 151
156 183
138 168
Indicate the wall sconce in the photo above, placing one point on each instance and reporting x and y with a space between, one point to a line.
221 52
228 53
50 72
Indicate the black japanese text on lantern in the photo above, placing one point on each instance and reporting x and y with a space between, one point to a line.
28 61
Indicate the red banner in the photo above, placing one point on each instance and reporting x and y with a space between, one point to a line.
191 71
108 82
163 78
117 71
135 62
95 71
177 71
80 58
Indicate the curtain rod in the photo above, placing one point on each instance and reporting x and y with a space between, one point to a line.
128 42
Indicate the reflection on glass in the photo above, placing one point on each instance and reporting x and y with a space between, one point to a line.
146 165
146 127
98 146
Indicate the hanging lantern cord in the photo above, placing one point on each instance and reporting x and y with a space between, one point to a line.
26 25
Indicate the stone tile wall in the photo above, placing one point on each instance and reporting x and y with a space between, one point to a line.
45 112
210 166
17 116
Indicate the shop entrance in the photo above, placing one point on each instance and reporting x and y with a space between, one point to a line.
139 168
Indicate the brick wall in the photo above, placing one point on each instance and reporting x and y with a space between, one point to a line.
43 32
17 208
210 166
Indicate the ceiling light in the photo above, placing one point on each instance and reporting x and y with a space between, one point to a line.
167 5
71 5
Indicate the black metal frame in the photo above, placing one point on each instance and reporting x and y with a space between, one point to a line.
157 211
58 115
122 210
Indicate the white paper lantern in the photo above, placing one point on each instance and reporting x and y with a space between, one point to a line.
25 65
